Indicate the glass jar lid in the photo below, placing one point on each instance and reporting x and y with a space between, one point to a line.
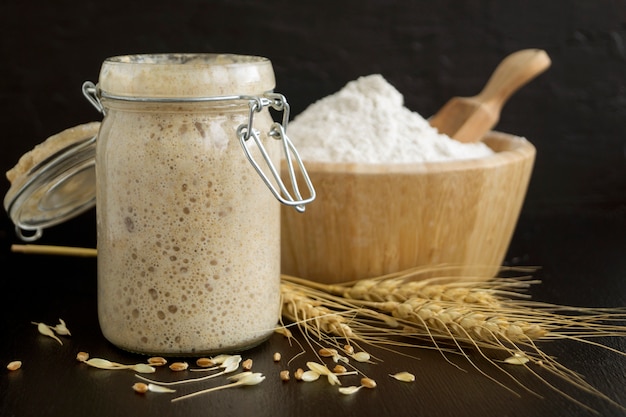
53 182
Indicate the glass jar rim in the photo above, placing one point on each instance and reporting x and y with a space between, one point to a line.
185 75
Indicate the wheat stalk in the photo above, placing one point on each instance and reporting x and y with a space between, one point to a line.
493 317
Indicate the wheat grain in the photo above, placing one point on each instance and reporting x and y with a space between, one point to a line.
463 322
246 365
157 361
140 387
205 362
300 308
491 317
398 289
368 382
14 365
179 366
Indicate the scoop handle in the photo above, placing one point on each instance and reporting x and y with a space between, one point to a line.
512 73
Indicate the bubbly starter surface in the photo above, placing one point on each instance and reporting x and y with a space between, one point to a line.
188 235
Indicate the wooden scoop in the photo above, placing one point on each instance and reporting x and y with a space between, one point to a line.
467 119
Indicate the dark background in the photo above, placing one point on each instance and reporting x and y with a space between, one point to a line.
575 113
573 223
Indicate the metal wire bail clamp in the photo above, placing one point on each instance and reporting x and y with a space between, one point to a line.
278 131
244 132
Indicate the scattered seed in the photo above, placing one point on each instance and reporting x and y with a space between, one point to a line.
368 383
327 352
316 367
14 365
46 330
349 390
232 363
332 353
140 387
219 359
245 378
310 376
340 369
106 364
205 362
101 363
157 361
298 374
179 366
284 375
254 378
142 368
277 357
62 329
361 356
404 376
159 388
247 364
517 359
82 356
348 349
239 376
332 379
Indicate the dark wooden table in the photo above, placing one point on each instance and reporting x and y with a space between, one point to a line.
582 255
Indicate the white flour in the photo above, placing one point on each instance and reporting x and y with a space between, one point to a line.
366 122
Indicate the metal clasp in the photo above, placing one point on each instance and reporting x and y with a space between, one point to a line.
90 91
245 132
278 131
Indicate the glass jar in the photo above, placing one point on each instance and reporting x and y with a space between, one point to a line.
188 234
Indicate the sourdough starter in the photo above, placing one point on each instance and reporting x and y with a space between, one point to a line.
188 234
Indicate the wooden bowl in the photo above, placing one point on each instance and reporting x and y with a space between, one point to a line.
369 220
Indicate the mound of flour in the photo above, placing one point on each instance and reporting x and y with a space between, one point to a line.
367 122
